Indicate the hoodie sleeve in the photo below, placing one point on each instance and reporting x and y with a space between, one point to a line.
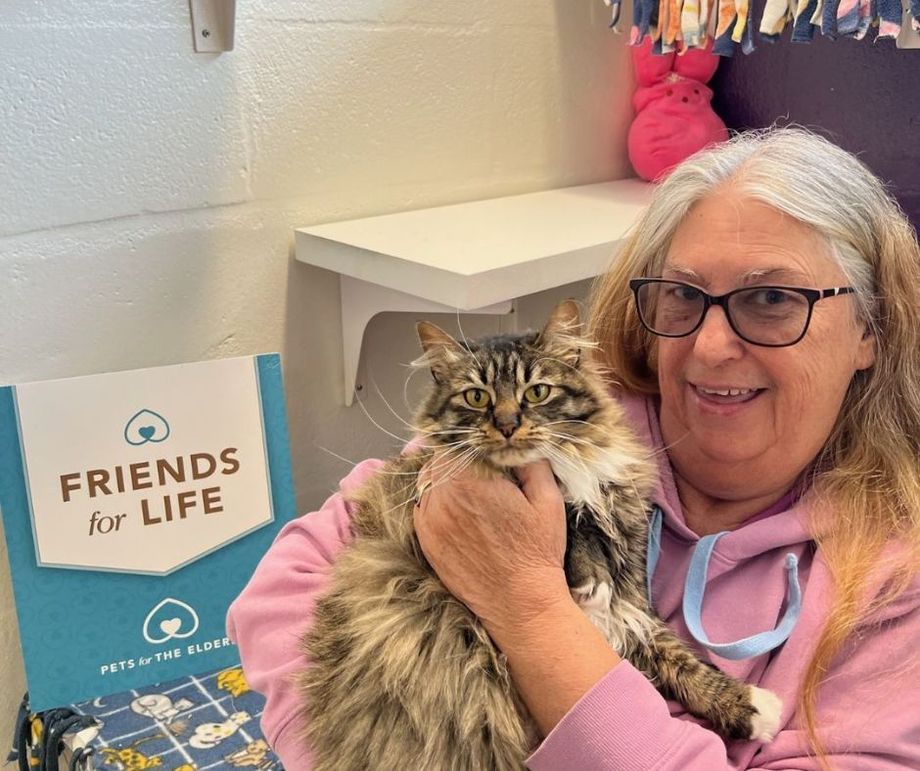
275 608
869 717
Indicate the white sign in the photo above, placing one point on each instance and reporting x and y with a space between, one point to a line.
144 471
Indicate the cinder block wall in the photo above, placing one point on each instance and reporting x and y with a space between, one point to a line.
148 193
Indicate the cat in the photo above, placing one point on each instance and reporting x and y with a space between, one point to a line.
400 674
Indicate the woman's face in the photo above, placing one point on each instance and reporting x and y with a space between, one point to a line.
758 441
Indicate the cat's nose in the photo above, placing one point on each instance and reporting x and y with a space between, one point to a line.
508 425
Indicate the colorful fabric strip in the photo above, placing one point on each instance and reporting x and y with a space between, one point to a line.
889 14
829 18
803 30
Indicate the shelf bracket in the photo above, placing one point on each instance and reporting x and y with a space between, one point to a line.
361 301
213 23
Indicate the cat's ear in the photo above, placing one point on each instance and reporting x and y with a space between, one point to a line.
441 350
562 334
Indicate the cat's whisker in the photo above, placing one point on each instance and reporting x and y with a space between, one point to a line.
461 459
570 438
355 463
412 370
465 341
568 420
417 429
399 417
336 455
567 460
458 430
558 361
402 439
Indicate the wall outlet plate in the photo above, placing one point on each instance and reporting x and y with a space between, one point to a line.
909 37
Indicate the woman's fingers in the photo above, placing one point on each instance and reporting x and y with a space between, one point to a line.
538 484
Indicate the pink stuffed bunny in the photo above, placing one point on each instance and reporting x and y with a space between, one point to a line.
674 115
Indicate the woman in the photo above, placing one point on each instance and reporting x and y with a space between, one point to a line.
789 424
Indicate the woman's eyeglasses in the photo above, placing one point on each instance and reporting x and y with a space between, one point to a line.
773 316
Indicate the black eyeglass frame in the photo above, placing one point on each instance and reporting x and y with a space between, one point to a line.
812 295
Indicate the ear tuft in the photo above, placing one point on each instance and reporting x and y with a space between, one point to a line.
440 349
564 320
562 333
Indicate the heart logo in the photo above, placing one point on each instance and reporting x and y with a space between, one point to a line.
146 426
170 619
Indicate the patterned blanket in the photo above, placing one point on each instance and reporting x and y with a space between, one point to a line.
191 724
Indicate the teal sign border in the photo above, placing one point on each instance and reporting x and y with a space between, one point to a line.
71 622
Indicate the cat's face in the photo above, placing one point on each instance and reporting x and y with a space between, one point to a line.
512 399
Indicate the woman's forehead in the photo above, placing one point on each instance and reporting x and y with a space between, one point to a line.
745 241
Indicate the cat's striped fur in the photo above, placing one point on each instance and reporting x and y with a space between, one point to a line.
401 675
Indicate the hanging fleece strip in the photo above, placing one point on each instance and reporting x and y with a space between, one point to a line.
889 18
776 14
614 6
723 44
744 26
643 13
803 27
690 31
829 18
853 18
679 25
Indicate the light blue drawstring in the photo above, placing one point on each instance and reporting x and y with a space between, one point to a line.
654 548
695 588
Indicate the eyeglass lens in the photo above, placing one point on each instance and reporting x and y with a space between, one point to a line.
765 315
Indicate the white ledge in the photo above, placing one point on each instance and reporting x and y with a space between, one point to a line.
472 257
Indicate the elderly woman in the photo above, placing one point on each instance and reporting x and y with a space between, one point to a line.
759 328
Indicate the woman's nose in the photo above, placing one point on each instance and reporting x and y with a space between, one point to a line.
715 340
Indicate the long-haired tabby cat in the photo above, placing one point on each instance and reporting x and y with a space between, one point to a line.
402 675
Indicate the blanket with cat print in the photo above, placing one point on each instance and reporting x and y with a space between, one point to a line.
191 724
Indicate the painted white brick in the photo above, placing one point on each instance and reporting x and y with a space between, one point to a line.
141 292
95 13
101 123
439 12
351 106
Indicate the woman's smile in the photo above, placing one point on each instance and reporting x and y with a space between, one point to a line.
723 401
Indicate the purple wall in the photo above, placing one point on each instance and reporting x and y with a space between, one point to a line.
864 96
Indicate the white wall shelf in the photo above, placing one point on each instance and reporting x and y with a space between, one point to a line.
473 257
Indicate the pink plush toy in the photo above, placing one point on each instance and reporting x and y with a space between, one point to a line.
674 115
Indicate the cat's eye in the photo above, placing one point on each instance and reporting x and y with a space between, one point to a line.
477 398
537 393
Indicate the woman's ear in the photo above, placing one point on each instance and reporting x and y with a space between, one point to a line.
865 353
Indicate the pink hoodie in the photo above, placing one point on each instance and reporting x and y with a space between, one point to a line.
869 706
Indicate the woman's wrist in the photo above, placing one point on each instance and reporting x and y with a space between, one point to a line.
555 657
524 606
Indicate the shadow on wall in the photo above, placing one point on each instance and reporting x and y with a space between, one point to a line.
864 96
595 91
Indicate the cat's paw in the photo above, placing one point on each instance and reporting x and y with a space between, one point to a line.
764 722
593 597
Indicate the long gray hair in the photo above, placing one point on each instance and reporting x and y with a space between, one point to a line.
868 468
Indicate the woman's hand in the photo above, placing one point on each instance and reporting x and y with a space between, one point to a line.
497 547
